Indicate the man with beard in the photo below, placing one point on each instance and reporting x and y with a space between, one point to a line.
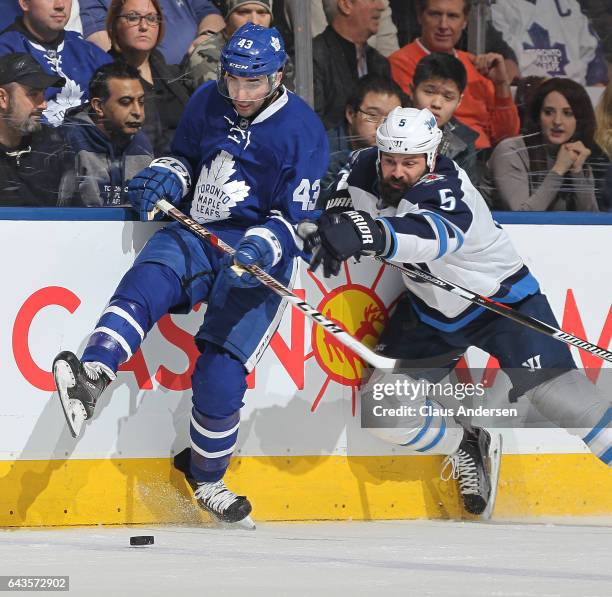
35 160
408 204
105 135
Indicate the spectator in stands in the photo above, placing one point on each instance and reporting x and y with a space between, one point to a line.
341 55
373 98
547 169
11 10
603 137
106 136
384 40
408 29
438 85
188 20
202 64
487 105
283 11
552 39
35 160
40 32
135 28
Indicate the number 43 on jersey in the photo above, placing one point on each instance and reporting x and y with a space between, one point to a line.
306 194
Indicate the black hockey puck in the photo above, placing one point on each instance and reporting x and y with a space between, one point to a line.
140 540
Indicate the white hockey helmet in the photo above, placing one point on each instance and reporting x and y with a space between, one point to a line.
409 131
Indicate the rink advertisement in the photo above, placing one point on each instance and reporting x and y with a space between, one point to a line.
302 452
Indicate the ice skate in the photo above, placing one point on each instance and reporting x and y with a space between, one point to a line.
79 385
475 465
224 506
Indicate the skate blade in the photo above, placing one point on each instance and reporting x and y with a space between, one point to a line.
495 453
246 524
74 411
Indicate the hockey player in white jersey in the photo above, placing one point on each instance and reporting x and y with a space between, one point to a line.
247 158
404 203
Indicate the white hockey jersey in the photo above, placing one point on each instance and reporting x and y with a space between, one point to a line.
551 38
443 225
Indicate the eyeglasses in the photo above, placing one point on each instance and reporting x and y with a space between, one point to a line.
133 19
374 118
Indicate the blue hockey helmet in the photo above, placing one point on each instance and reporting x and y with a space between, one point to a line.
253 51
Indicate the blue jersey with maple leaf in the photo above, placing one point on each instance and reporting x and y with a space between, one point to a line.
70 57
251 173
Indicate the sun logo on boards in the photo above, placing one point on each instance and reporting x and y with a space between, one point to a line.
358 309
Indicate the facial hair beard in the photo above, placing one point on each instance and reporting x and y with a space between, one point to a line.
29 125
390 195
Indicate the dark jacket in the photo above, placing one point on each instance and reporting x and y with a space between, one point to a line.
459 144
165 101
38 173
335 73
103 168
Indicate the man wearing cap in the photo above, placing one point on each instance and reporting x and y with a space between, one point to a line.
201 65
41 33
35 160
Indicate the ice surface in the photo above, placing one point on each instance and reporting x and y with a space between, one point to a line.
568 557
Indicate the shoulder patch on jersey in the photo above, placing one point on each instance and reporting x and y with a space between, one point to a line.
430 178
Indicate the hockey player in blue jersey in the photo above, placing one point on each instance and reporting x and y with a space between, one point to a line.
247 156
404 203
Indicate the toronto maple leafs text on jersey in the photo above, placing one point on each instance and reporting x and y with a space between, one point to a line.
444 225
261 172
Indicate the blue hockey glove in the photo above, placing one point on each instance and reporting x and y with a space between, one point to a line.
165 178
345 235
258 247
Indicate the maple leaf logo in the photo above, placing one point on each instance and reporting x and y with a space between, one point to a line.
215 194
275 43
550 58
69 97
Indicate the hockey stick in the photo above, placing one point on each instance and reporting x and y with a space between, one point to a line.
501 309
357 347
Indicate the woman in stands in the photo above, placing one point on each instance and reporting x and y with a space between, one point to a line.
549 169
135 27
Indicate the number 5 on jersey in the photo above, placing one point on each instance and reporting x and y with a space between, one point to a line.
306 195
447 201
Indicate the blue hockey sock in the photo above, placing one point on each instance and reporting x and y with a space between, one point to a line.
212 444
